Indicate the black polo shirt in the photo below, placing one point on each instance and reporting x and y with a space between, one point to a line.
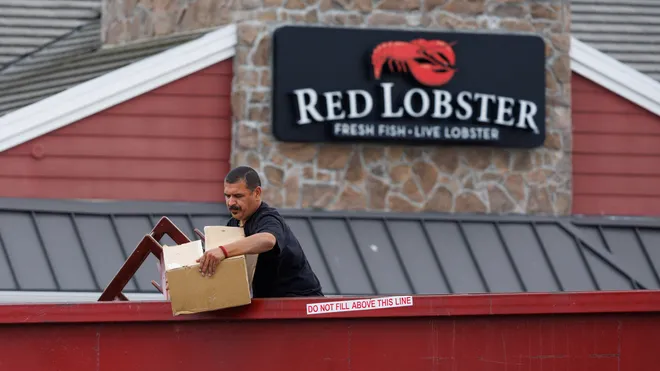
284 270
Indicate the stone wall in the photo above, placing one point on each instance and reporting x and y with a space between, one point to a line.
393 178
131 20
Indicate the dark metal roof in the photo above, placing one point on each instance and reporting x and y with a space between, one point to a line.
71 60
627 30
54 245
28 25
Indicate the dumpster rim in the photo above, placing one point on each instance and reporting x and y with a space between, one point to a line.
295 308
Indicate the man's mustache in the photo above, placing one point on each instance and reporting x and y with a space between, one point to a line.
234 208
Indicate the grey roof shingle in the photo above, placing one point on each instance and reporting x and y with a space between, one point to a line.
56 245
34 34
28 25
70 61
627 30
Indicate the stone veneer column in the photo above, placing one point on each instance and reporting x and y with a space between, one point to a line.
130 20
398 178
375 177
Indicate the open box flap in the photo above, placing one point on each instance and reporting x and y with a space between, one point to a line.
185 255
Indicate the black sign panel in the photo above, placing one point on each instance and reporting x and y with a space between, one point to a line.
364 85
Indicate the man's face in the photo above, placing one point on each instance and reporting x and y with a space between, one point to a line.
240 201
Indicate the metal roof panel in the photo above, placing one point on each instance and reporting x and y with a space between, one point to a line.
301 227
27 255
26 26
64 250
105 253
628 245
381 257
457 262
529 257
349 271
417 258
352 253
7 277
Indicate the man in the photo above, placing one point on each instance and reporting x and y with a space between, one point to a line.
282 269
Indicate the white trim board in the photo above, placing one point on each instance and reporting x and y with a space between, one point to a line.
615 76
116 87
128 82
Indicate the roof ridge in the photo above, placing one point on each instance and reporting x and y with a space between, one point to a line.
45 45
34 24
60 63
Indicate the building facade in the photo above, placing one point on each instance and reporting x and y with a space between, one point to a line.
223 112
154 101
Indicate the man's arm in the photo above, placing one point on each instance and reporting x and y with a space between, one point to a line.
256 244
269 234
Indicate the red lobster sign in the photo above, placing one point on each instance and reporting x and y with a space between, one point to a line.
431 62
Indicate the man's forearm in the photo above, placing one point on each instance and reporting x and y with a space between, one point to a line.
255 244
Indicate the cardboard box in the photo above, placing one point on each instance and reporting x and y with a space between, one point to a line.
190 292
222 235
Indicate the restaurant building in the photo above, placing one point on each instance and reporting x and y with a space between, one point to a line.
140 111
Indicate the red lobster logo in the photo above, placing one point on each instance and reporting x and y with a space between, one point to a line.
431 62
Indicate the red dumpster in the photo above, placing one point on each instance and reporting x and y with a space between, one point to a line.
567 331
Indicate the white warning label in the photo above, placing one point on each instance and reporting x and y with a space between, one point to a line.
360 304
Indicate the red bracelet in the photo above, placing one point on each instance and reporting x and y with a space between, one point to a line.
224 251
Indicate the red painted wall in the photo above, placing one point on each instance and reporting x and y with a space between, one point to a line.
171 144
616 153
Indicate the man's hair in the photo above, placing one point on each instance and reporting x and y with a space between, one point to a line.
246 174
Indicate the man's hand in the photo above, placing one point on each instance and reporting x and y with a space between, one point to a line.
210 260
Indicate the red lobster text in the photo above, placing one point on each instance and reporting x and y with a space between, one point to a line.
431 62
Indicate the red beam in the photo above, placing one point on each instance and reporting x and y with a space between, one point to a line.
166 227
148 245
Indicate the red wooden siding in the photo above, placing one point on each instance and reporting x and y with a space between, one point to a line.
171 144
616 153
